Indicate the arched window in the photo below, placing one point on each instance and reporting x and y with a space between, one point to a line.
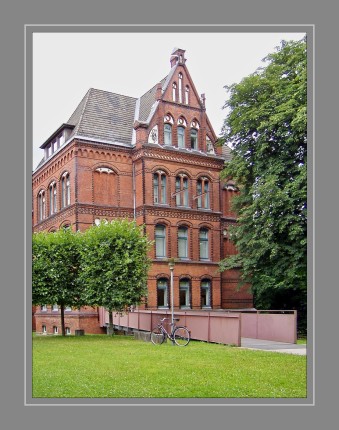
167 134
184 294
159 187
181 190
52 198
203 200
42 205
205 293
203 244
162 293
194 138
65 190
181 137
160 241
174 92
183 242
180 87
187 91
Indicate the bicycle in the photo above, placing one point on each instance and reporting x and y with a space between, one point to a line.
180 335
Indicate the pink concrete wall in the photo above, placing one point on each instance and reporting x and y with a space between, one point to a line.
279 326
218 327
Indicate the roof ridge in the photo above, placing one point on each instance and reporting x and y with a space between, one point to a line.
110 92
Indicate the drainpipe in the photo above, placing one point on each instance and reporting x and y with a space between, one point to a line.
134 192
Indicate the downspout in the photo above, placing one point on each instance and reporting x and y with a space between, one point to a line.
134 191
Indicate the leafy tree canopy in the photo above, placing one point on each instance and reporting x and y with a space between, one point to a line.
55 268
266 126
114 265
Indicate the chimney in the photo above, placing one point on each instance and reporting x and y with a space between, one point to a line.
158 92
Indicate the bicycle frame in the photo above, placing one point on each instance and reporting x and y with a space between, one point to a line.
179 335
163 329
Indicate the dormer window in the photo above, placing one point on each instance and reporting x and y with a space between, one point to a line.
61 139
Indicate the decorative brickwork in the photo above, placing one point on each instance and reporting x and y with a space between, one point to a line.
111 164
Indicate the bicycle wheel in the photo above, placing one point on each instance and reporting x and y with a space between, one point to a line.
157 336
181 336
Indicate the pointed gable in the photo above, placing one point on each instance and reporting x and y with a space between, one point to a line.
180 87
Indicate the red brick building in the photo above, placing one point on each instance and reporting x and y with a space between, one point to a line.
153 159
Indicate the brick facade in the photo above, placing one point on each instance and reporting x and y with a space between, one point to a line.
167 180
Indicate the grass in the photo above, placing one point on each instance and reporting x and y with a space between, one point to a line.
121 367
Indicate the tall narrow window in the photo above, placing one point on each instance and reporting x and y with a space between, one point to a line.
52 198
181 137
65 190
160 241
181 190
205 293
184 294
182 242
194 138
187 91
180 87
167 134
203 244
42 205
174 92
159 187
162 293
203 199
44 329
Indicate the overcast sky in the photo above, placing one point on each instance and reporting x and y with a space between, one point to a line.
66 65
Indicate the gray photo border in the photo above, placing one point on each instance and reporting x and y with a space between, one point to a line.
30 30
14 16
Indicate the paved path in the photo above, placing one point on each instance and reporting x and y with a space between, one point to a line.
268 345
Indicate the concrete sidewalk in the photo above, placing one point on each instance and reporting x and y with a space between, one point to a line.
269 345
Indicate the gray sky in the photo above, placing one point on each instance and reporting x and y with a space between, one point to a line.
66 65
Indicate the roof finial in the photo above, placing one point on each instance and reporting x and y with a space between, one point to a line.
177 56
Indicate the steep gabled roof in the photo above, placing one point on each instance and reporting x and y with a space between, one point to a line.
105 116
147 100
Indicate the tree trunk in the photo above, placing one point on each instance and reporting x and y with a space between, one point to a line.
62 315
110 324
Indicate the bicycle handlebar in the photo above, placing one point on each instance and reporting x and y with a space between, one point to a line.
175 319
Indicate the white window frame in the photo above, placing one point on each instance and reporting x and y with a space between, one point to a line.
162 284
160 241
206 285
184 287
183 242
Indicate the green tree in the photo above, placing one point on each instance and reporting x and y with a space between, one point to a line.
114 265
55 268
266 125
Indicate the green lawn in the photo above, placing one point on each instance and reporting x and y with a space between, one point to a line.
122 367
